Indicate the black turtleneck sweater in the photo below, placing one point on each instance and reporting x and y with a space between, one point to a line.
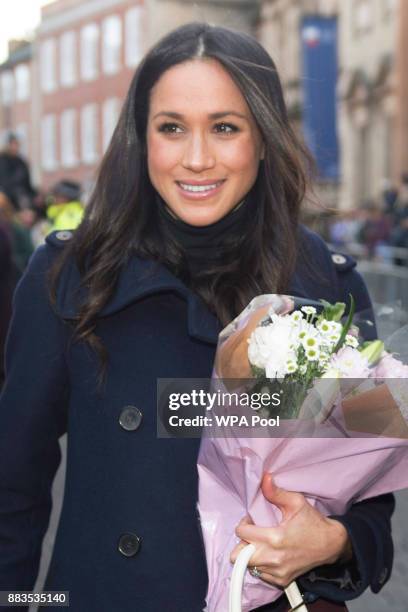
210 245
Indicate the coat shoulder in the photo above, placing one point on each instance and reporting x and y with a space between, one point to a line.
315 248
59 239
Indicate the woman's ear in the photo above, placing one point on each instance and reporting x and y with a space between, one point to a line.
262 156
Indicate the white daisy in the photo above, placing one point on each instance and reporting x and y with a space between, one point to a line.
312 354
310 341
309 310
351 341
324 327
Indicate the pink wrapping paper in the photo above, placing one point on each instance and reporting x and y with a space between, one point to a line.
331 471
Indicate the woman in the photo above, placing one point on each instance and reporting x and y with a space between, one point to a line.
195 212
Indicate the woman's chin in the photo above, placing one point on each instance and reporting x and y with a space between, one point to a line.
201 220
200 213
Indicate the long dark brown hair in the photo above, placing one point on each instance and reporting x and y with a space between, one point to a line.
121 219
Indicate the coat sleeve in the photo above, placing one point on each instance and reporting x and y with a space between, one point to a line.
368 523
33 408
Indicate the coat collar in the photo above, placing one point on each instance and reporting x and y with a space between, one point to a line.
139 279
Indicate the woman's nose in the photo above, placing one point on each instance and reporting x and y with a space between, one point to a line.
198 155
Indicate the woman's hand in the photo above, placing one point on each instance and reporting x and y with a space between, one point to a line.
304 539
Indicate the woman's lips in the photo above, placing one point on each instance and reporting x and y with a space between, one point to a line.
199 191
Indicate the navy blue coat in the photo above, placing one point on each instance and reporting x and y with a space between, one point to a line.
128 538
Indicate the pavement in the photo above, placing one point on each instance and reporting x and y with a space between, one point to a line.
392 598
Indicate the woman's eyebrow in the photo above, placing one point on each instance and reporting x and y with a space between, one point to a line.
218 115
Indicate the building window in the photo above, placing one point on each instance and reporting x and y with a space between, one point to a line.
110 117
363 15
7 88
22 79
48 65
68 59
22 135
49 142
89 51
112 42
89 134
133 43
68 138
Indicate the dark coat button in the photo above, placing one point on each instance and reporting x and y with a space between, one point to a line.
129 544
130 418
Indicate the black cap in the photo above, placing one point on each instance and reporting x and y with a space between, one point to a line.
67 189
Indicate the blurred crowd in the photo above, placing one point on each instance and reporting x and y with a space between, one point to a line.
378 229
26 217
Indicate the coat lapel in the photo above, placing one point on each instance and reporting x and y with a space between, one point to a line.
139 279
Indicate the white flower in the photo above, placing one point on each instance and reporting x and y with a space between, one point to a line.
310 341
296 316
309 310
303 369
270 346
260 346
291 366
330 340
277 366
312 354
336 327
351 341
323 359
324 326
305 329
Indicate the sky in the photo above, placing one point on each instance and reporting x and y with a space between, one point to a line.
17 19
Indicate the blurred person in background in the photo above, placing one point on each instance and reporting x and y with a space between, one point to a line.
344 228
389 195
399 235
376 229
65 210
15 174
22 246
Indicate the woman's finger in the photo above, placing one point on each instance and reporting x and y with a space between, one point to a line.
253 534
235 552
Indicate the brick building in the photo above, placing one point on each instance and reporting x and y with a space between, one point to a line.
63 92
85 56
15 95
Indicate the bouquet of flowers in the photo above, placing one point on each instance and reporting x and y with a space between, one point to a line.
326 378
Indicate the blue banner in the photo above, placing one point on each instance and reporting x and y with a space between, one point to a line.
319 55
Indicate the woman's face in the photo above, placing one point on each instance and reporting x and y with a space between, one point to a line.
203 144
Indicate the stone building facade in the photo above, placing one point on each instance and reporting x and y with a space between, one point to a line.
372 90
367 93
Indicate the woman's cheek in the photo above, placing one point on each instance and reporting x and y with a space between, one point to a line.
162 155
240 156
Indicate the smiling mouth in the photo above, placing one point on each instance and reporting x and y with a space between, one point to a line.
199 188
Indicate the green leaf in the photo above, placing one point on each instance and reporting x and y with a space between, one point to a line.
333 312
373 351
347 324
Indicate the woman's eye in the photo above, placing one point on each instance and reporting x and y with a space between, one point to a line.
170 128
226 128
